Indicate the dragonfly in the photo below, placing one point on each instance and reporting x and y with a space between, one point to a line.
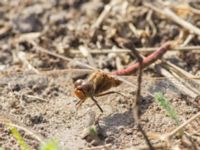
99 82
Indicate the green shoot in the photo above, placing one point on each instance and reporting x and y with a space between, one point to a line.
19 139
93 131
50 145
165 104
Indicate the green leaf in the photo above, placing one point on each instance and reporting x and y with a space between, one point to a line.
165 104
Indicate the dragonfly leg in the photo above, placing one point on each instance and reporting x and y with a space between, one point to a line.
110 92
95 101
78 104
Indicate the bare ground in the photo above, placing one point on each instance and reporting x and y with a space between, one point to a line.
45 104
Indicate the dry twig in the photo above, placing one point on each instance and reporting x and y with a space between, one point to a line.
102 147
136 107
22 57
141 50
167 136
178 84
40 49
182 75
86 53
171 15
31 97
102 16
8 123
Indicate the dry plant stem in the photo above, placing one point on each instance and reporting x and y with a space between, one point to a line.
188 85
63 71
102 147
150 21
5 29
159 146
187 40
134 30
31 96
182 126
150 146
40 49
141 50
178 84
27 36
22 57
102 16
86 53
136 107
28 131
139 81
182 76
146 62
179 70
196 11
171 15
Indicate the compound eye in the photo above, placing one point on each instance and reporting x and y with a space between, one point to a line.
87 87
78 82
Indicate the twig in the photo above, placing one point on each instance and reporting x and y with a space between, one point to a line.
5 29
7 122
179 70
63 71
136 107
182 126
171 15
102 147
141 50
40 49
187 40
150 146
102 16
166 137
194 10
178 84
119 65
22 57
136 32
139 81
31 96
182 75
156 146
28 36
86 53
188 85
146 62
150 21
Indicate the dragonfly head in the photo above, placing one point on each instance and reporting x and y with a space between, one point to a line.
83 90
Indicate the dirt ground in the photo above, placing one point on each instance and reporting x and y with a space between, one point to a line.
36 95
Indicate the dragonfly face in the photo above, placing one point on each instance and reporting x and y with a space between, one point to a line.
83 90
